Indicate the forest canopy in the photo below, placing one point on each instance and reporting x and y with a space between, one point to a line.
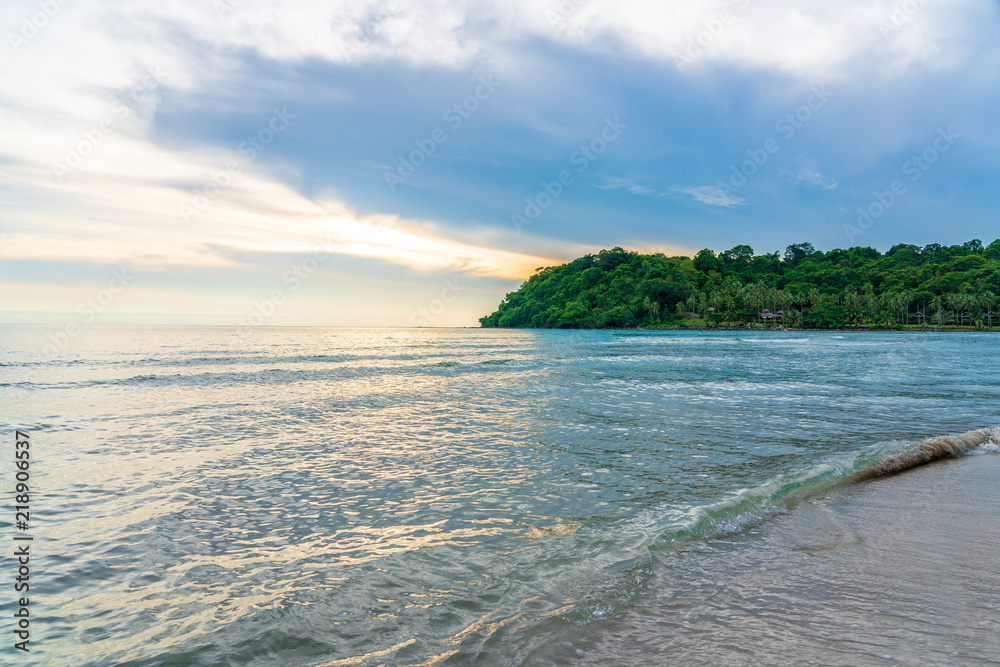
908 285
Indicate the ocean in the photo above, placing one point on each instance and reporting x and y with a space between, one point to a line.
330 496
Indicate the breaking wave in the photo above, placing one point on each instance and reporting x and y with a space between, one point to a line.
750 507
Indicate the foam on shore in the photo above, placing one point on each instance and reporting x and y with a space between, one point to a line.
894 571
749 507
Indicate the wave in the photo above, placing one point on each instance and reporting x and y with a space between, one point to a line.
927 451
205 376
626 580
661 338
751 507
987 448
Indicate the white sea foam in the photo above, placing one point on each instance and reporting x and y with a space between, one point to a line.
985 448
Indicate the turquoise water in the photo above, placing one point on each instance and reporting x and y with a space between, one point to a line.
322 496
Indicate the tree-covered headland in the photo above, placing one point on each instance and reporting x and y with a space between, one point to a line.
908 286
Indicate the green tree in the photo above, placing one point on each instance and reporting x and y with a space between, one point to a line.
706 261
797 252
825 315
617 288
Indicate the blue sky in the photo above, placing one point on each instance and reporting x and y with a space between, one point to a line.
359 163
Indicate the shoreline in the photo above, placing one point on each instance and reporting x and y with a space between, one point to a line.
995 330
772 329
886 571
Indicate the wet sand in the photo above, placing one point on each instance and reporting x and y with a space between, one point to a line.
898 570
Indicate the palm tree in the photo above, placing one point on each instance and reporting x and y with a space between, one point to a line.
703 306
903 301
986 301
883 309
953 302
716 302
653 307
937 305
869 302
853 304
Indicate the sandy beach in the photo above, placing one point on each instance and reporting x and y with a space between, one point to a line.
899 570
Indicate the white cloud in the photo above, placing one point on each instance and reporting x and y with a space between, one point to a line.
125 204
60 83
713 195
121 198
808 174
806 40
629 184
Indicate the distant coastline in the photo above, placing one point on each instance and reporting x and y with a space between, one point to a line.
929 288
995 329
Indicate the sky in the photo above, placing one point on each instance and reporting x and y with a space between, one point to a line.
408 163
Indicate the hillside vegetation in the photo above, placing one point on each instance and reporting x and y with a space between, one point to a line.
909 285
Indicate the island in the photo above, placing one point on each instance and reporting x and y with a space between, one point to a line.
909 287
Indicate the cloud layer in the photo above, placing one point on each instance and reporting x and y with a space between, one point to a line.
152 134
